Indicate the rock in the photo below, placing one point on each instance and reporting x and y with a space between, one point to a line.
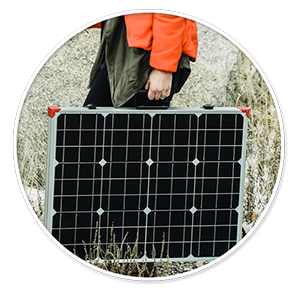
210 73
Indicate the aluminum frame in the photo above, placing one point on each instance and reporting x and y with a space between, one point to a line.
52 162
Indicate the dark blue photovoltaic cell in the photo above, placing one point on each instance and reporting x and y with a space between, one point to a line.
172 177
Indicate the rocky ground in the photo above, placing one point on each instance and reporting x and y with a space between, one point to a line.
180 267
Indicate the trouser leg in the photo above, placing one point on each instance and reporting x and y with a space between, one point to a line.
99 93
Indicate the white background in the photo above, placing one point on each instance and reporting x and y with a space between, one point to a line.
6 131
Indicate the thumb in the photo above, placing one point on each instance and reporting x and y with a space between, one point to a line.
147 85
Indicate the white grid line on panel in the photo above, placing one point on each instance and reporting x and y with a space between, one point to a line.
62 173
195 180
148 129
151 178
78 175
156 178
154 242
161 146
217 178
232 182
101 180
125 173
133 227
140 179
109 179
100 210
93 183
171 184
135 162
148 185
202 184
136 194
186 186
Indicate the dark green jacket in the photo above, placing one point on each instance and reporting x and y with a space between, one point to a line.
128 68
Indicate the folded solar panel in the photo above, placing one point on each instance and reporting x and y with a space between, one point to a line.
173 175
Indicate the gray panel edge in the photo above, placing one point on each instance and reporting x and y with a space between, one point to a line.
171 110
242 178
51 164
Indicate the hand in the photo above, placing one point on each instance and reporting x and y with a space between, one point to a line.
159 84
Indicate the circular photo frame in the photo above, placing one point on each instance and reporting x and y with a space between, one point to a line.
223 75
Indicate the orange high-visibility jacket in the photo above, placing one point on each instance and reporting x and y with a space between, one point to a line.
166 36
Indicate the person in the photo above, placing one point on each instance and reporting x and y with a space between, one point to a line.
149 51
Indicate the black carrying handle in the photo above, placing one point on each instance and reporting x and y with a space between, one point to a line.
141 101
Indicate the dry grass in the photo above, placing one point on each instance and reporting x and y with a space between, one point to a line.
263 141
124 259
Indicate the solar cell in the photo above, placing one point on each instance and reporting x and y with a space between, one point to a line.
175 174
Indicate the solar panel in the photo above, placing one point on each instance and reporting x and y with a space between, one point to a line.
175 175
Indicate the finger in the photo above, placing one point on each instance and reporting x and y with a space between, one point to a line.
157 95
168 92
164 94
151 94
147 85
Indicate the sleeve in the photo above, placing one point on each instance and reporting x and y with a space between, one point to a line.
168 37
190 43
97 25
139 30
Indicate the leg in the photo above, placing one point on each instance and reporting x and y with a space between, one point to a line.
99 93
